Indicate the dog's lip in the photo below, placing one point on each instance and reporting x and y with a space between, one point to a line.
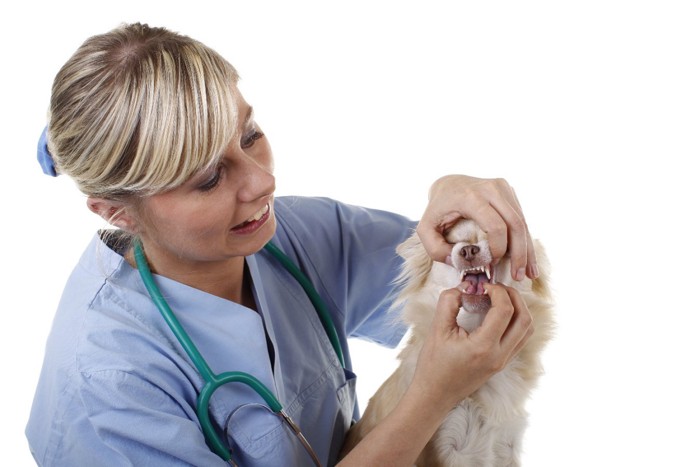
476 303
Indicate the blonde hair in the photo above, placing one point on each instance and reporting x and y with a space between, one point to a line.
139 110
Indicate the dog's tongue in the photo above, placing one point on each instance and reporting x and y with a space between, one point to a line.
475 284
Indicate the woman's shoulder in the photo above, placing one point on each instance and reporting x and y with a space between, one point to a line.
104 318
301 206
316 216
300 218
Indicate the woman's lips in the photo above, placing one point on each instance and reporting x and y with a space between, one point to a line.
254 222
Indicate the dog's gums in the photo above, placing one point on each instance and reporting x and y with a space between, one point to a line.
475 278
474 302
474 296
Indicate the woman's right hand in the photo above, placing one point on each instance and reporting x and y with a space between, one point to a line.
454 363
451 365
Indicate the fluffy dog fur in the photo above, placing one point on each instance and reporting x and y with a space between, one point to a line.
485 429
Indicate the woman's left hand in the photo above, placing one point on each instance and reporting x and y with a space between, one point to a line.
493 205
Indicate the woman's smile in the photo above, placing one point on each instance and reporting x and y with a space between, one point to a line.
253 223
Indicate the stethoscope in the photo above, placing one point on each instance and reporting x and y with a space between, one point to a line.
214 381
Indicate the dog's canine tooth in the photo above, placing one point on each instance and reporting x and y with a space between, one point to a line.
488 272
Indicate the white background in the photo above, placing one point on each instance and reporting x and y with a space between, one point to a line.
591 110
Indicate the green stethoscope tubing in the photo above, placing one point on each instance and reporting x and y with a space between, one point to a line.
313 295
213 381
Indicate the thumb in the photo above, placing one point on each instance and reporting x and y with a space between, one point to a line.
448 307
434 242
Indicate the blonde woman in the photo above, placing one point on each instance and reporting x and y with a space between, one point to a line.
152 128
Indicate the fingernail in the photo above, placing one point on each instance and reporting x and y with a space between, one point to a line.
520 275
534 271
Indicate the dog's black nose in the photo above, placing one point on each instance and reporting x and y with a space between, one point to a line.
469 252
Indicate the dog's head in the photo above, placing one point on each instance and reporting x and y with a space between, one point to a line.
471 257
468 267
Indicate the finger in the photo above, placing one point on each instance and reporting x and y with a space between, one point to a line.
493 223
520 326
448 306
433 240
506 204
522 342
500 314
531 263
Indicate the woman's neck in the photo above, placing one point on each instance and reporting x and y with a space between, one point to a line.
227 279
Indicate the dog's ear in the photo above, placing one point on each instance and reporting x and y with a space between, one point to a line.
417 263
411 247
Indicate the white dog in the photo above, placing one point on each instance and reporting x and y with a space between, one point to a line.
485 429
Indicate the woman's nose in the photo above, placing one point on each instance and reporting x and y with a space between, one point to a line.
256 178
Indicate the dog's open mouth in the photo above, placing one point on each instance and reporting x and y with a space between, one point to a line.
474 279
474 298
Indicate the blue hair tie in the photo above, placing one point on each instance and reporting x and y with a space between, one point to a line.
44 156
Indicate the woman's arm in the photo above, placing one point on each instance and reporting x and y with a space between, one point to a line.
452 365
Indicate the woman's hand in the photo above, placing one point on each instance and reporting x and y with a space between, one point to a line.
454 363
492 203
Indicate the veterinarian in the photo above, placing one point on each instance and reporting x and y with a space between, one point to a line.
153 130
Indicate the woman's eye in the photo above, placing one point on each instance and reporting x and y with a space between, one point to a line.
212 181
250 138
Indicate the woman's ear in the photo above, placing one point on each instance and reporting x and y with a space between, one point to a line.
114 212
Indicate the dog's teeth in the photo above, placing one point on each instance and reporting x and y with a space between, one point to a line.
488 273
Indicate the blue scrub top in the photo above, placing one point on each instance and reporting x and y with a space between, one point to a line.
116 388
